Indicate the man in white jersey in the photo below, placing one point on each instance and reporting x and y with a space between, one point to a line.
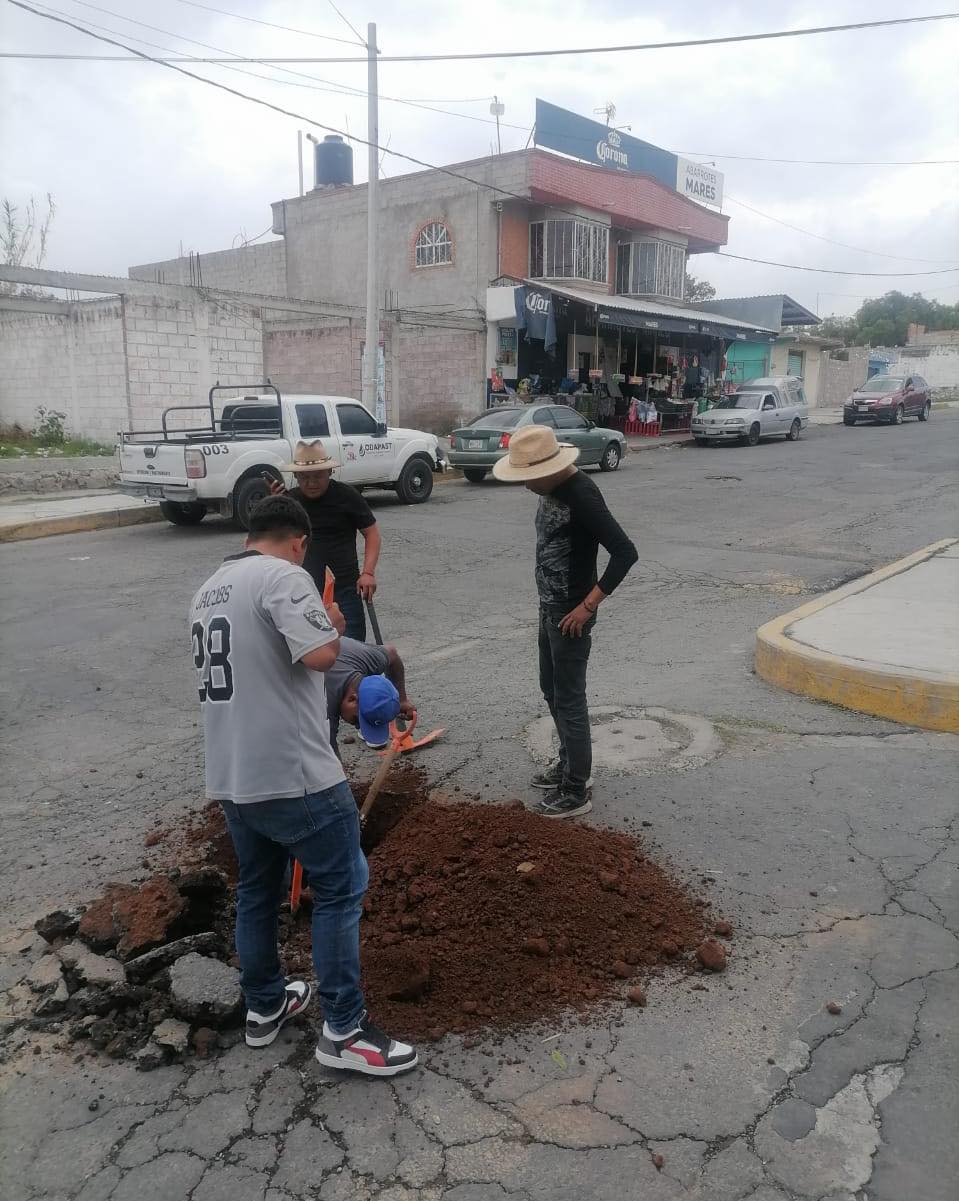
262 641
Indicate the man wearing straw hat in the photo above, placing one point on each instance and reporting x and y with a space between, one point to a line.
337 513
572 522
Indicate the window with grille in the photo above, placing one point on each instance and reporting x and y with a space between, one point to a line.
567 249
650 268
434 246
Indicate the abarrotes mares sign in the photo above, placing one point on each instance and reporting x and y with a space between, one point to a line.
699 182
579 137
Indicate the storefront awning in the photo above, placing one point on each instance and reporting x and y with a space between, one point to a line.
628 312
619 319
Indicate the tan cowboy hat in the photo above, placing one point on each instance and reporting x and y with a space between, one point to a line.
309 456
534 454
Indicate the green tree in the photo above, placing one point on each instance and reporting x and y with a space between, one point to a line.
698 289
885 321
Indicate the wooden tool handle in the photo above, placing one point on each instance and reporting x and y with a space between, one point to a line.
378 779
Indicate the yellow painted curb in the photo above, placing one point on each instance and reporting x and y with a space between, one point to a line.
914 700
107 520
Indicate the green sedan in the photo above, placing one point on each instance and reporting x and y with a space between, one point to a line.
474 448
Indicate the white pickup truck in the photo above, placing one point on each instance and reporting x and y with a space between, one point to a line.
225 465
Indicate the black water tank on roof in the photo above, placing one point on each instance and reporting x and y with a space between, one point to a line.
333 162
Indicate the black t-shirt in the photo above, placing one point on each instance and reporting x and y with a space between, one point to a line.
572 522
335 519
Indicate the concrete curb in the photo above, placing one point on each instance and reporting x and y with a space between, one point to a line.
914 700
79 523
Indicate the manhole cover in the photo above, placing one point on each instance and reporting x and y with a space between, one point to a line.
630 741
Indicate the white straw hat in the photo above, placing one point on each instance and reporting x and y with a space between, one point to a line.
310 456
534 454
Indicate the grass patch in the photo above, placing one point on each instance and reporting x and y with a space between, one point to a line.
18 443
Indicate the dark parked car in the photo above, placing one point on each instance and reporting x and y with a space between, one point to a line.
890 399
474 448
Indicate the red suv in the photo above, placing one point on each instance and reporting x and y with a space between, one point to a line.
889 398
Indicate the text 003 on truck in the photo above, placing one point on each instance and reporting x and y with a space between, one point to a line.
225 465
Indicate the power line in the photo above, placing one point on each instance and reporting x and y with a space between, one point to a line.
347 21
732 39
479 183
831 271
820 162
902 258
270 24
332 87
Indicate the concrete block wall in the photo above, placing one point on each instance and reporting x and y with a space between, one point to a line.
434 375
72 363
441 374
839 377
316 359
116 363
937 364
260 268
177 349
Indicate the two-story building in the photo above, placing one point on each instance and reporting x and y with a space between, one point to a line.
605 249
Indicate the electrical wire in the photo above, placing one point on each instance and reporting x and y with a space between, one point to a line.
348 22
902 258
331 86
832 271
732 39
500 191
820 162
270 24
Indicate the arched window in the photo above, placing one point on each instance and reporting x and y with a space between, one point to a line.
433 246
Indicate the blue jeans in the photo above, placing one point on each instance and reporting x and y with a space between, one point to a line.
351 606
322 830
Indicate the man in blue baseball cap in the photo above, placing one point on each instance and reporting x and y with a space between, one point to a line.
378 705
366 687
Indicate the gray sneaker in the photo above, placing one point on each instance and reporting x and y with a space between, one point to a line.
563 803
552 778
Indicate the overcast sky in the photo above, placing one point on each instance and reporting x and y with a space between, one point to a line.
142 162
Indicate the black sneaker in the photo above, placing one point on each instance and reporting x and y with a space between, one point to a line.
563 803
552 778
262 1029
366 1049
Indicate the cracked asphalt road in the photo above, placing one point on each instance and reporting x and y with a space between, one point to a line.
827 837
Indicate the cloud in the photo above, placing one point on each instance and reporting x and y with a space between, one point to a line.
141 160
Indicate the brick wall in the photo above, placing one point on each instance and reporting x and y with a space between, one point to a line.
312 359
72 363
629 199
514 242
260 269
441 376
434 375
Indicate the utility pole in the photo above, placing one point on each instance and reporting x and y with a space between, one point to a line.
370 395
299 156
496 109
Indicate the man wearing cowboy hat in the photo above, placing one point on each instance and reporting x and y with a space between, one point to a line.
337 512
572 522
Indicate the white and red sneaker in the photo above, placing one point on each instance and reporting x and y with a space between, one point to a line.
262 1029
366 1049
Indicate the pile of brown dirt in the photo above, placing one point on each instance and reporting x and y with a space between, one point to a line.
477 917
490 916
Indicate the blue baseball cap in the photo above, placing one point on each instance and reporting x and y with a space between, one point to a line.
379 704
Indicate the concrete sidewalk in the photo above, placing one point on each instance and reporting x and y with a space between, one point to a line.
42 516
886 644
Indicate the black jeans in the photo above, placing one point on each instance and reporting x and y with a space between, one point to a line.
351 605
562 677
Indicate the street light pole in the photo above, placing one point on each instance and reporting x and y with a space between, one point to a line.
370 359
